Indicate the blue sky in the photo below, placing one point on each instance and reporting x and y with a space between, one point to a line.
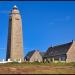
44 23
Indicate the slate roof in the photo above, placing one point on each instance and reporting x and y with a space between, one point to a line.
58 50
42 54
30 53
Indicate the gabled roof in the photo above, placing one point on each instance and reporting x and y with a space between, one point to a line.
42 54
59 49
29 54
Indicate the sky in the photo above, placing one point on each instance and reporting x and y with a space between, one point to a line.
44 24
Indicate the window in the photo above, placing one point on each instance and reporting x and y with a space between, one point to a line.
56 58
17 18
63 58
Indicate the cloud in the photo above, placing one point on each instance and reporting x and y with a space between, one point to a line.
28 48
51 23
59 19
67 18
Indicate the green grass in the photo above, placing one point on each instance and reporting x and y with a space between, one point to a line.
37 63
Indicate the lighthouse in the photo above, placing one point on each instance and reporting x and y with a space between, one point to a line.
15 37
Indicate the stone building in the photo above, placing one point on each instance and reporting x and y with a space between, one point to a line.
15 40
33 56
62 53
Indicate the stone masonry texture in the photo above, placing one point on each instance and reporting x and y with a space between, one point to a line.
15 39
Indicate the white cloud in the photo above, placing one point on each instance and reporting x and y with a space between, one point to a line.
67 18
28 48
59 19
51 23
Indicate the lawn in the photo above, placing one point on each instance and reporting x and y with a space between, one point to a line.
37 68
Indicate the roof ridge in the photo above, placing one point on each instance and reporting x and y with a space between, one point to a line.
62 44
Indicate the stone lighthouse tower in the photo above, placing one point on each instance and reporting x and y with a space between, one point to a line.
15 41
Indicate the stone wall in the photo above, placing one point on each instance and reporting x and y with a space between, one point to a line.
71 53
36 57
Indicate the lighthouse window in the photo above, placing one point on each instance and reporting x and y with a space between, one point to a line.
17 18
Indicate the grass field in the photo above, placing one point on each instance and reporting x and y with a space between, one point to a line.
37 68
